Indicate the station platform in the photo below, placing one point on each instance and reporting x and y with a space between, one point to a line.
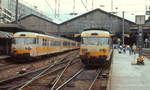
125 76
4 57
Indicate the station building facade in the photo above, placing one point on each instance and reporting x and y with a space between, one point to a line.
97 19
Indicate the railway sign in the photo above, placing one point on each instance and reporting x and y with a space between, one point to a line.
140 19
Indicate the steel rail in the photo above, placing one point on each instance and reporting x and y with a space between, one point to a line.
59 76
99 71
81 70
41 75
34 78
21 84
54 71
7 66
26 74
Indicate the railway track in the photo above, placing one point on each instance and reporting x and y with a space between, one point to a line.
14 69
67 74
75 78
7 66
48 74
21 79
63 80
17 81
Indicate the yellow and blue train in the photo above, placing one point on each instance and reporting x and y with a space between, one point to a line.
96 47
31 45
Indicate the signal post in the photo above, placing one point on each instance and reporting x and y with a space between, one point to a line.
140 20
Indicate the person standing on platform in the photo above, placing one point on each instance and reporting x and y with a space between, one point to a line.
146 42
130 50
134 48
124 48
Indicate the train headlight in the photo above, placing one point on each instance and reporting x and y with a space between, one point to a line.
104 50
100 49
84 50
13 48
28 48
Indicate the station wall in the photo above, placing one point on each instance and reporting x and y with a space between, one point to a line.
94 19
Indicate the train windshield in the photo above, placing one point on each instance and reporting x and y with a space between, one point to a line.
95 40
24 41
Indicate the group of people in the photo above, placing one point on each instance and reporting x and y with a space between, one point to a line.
124 48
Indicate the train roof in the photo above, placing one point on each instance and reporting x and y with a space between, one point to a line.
95 33
32 34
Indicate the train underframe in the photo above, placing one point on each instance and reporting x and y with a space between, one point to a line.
25 57
95 60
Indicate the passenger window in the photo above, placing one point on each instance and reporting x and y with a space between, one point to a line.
37 40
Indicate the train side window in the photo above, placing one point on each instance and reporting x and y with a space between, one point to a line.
64 43
40 41
52 42
49 43
37 40
44 42
58 43
34 40
82 40
13 41
69 44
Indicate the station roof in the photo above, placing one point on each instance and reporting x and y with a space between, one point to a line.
30 15
99 10
12 28
5 34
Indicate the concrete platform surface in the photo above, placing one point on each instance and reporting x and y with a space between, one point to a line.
3 57
125 76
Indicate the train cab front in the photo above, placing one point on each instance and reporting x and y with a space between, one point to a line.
22 46
93 57
21 53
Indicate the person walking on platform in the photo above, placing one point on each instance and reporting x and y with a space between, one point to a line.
130 50
120 49
124 48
